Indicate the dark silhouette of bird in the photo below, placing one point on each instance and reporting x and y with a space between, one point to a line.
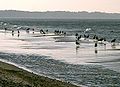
101 39
12 32
86 36
5 29
112 41
33 30
77 43
104 39
76 34
42 32
95 37
79 37
95 44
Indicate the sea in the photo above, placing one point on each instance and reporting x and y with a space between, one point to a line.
57 56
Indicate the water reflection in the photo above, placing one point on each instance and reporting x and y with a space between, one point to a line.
77 48
12 32
33 30
113 46
96 51
105 46
18 35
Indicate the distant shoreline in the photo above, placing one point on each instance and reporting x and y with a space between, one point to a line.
36 19
58 15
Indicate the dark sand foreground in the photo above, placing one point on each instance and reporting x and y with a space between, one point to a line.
11 76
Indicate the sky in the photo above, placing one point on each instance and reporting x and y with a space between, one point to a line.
110 6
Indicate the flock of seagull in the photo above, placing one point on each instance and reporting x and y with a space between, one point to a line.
95 38
78 37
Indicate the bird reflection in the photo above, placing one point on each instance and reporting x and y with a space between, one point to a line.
77 48
96 51
113 46
105 46
12 32
18 35
33 30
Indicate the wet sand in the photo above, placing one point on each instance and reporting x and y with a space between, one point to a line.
89 75
11 76
59 58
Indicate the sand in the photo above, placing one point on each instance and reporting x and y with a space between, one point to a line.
60 58
11 76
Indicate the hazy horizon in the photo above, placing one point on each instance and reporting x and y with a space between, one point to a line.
55 11
108 6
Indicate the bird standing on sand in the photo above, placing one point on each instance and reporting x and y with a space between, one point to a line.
76 34
5 29
95 37
113 42
96 51
77 42
12 32
27 30
42 32
47 31
95 44
33 30
18 33
86 36
79 37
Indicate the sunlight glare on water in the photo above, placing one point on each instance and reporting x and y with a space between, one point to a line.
46 45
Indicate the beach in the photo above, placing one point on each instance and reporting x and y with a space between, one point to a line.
58 57
12 76
81 75
17 75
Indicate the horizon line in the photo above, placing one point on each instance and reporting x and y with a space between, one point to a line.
60 11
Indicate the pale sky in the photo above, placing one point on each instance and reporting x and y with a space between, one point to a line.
112 6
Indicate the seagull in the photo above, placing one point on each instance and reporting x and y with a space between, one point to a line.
5 29
33 30
79 37
77 43
12 32
95 37
95 44
76 34
113 42
86 36
42 32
